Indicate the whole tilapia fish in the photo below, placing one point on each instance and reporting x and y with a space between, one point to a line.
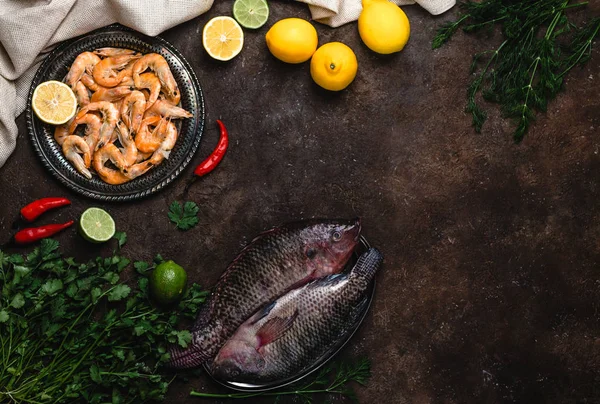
297 329
273 263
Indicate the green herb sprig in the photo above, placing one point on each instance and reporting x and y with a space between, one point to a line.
185 217
527 69
76 332
333 379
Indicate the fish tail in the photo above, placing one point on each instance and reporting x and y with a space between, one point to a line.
368 264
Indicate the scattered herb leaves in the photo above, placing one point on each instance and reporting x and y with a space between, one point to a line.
526 71
185 217
334 379
75 332
121 237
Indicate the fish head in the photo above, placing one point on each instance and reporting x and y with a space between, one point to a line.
236 360
330 246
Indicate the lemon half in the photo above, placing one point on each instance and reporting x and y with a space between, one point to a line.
54 102
223 38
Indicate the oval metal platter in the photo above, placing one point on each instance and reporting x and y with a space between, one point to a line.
55 67
339 344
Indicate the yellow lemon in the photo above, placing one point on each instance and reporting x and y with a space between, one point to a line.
333 66
54 102
223 38
383 26
292 40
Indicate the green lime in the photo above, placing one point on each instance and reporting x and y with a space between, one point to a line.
167 282
251 13
96 225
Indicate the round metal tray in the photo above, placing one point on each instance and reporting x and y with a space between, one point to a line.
55 67
249 387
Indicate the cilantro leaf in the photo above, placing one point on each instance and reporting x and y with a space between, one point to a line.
95 373
119 292
3 316
121 237
141 267
185 217
184 337
52 286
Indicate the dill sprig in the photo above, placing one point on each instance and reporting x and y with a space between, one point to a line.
527 69
334 379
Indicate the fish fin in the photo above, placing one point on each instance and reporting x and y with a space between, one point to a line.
263 312
275 328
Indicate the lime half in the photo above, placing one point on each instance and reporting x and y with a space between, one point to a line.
96 225
251 13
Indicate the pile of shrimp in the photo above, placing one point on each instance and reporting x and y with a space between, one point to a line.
127 102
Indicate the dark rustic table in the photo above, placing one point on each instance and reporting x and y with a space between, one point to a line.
490 289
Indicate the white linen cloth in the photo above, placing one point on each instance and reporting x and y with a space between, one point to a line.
29 29
339 12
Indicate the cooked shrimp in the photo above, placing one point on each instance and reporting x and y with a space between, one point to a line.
110 52
61 132
72 147
132 110
127 79
105 72
89 82
142 156
138 169
169 135
147 140
166 109
92 129
152 83
81 93
110 116
84 62
110 175
129 151
111 94
160 67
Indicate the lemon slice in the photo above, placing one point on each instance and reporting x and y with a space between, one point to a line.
96 225
251 14
223 38
54 102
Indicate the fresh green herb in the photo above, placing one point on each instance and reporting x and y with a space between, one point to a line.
185 217
527 69
74 332
121 238
334 379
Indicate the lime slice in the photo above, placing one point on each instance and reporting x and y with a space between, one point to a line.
251 14
96 225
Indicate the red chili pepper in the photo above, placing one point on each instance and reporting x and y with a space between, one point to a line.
33 234
216 156
36 208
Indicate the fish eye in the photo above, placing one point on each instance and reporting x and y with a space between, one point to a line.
336 236
311 253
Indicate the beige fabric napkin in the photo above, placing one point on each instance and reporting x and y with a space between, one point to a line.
30 28
339 12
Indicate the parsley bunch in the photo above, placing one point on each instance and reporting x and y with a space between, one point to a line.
76 332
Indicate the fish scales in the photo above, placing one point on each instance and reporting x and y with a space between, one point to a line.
289 335
271 264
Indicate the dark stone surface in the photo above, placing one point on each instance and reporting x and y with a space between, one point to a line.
490 290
